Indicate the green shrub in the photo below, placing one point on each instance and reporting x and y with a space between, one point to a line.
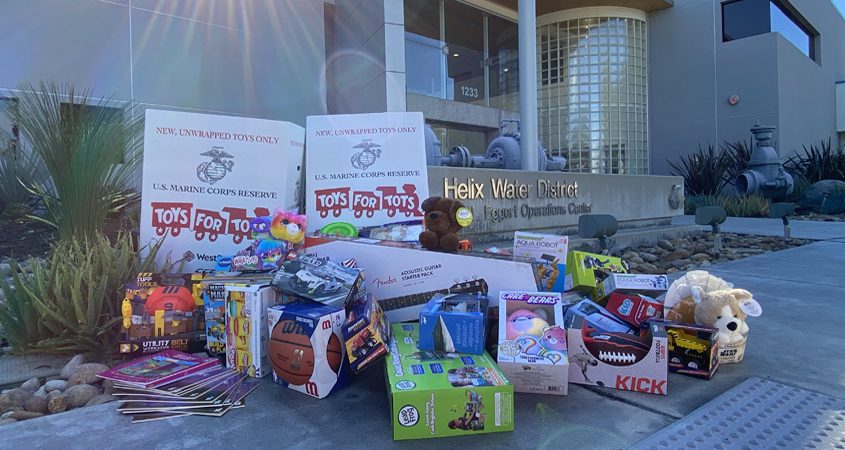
71 301
744 206
738 154
703 171
818 163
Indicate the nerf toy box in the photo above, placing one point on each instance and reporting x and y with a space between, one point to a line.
403 278
550 253
306 347
586 271
437 394
633 283
634 309
618 360
160 312
366 333
693 349
532 342
246 330
454 323
599 317
319 279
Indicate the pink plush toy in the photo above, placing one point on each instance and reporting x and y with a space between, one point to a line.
554 338
525 322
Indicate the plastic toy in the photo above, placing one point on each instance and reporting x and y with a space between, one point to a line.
727 310
441 224
523 321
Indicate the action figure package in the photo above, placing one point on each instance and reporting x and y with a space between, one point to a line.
618 360
246 326
161 312
532 342
319 279
438 394
454 323
550 253
366 333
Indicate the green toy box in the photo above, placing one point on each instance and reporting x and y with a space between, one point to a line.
438 394
586 271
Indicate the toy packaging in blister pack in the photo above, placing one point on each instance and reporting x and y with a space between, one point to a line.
160 312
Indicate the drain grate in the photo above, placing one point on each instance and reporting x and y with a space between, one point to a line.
757 414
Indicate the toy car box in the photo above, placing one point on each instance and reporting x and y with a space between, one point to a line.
455 323
550 252
305 348
598 316
618 360
246 331
532 349
160 312
403 277
437 394
693 349
585 271
633 309
318 279
366 333
632 283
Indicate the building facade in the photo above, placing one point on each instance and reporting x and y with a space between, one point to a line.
624 86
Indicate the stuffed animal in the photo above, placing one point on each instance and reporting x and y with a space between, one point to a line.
554 338
726 310
288 226
441 224
524 322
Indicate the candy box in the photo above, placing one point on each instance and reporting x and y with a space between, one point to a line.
246 332
598 316
632 283
585 271
160 312
634 309
437 394
618 360
454 323
305 348
550 252
693 349
318 279
532 342
366 333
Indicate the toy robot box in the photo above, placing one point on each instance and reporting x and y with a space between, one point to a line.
632 283
454 323
618 360
550 252
586 271
305 347
160 312
532 342
246 332
318 279
438 394
366 333
693 349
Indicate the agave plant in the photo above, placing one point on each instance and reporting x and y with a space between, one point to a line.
90 149
818 163
19 168
738 154
703 171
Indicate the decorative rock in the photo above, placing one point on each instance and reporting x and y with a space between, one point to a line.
666 245
680 263
55 385
31 384
649 268
71 366
21 415
6 406
648 257
5 421
58 403
679 253
80 394
635 260
5 269
629 255
19 395
699 257
36 404
40 392
100 399
108 387
86 373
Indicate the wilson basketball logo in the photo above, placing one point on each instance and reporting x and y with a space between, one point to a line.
291 327
311 389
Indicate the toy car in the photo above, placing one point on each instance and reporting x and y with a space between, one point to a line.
689 346
306 280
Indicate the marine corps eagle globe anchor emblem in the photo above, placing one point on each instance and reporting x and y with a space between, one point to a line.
213 171
370 152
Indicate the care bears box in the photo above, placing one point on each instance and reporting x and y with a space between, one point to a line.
532 342
550 252
438 394
305 348
585 271
454 323
618 360
246 333
366 333
403 278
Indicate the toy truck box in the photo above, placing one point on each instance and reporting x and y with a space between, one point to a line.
618 360
305 348
160 312
693 349
318 279
598 316
246 330
403 277
455 323
632 283
550 253
586 271
532 342
438 394
633 309
366 333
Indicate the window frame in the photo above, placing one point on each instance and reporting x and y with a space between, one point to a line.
792 14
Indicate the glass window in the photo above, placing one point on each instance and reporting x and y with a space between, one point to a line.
787 27
425 63
465 41
744 18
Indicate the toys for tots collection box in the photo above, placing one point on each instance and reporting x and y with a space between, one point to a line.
377 279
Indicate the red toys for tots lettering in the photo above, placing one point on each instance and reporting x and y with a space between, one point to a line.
173 217
385 198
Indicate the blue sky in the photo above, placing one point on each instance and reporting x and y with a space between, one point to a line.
841 5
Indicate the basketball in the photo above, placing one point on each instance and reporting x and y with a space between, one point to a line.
333 353
291 354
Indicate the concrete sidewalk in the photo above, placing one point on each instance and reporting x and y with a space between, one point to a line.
797 341
801 229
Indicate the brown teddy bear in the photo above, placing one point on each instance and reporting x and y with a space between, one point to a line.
441 224
726 310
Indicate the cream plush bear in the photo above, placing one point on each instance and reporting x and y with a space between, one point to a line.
726 310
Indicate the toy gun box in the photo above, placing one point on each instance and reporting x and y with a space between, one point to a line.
550 252
438 394
160 312
454 323
366 333
318 279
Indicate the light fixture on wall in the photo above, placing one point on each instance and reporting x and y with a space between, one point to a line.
456 54
733 99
